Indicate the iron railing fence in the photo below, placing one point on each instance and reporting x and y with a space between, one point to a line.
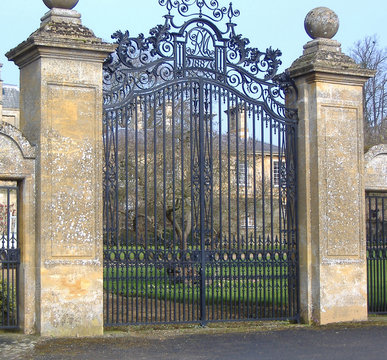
9 258
376 225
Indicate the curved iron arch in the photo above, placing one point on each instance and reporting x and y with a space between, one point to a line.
209 23
140 63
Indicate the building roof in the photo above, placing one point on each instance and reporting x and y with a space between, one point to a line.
11 96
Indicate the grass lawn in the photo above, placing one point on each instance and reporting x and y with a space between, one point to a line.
249 276
377 284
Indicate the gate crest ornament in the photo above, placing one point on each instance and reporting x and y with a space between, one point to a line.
197 48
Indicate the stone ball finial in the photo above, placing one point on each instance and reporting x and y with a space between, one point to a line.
60 4
321 22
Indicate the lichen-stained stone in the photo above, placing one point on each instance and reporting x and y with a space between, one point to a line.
61 113
63 4
321 22
333 275
17 163
376 168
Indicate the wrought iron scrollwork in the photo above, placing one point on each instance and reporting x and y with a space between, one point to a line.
217 13
198 48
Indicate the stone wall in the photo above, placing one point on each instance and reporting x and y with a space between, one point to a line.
17 163
376 168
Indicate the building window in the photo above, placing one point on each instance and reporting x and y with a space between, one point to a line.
250 221
8 215
276 172
242 180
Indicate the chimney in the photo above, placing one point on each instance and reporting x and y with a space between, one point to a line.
238 116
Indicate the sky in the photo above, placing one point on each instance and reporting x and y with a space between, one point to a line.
279 24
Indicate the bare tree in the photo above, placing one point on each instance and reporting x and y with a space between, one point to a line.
157 178
370 55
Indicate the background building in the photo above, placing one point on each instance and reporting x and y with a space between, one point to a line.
9 103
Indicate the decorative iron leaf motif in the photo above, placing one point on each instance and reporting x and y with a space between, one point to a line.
216 13
197 49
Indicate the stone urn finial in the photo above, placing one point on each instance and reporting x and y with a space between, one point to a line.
60 4
321 22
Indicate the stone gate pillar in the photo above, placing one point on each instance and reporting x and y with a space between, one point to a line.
61 113
333 272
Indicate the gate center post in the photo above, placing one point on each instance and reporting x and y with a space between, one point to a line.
61 112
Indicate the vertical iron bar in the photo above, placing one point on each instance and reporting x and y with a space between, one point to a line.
378 256
202 204
221 256
210 136
246 288
230 269
116 232
183 223
155 236
146 243
369 268
264 249
292 139
136 204
8 298
174 251
126 215
107 201
256 282
280 244
229 167
374 268
165 253
271 262
383 245
17 247
193 225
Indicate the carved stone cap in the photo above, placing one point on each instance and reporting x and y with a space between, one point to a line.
61 33
61 15
323 55
58 39
331 64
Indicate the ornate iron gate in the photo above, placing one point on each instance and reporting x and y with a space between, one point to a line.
9 256
376 224
200 175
